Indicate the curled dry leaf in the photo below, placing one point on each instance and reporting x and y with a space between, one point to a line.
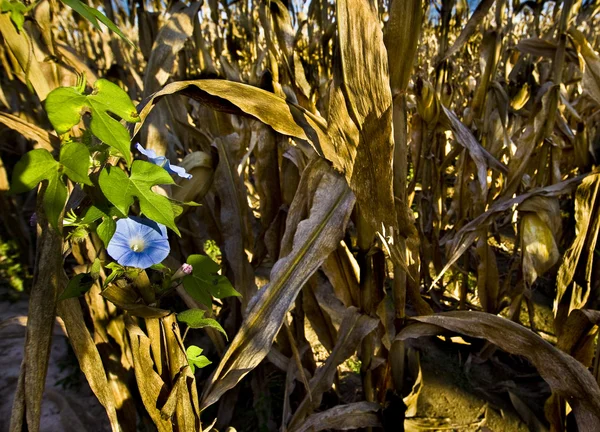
565 375
587 228
350 416
591 72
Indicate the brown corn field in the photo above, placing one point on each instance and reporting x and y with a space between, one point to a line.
401 197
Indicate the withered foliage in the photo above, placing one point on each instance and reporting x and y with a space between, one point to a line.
371 172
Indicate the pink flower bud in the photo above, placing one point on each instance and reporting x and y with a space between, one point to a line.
184 270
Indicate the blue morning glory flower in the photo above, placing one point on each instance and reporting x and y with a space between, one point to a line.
163 162
139 242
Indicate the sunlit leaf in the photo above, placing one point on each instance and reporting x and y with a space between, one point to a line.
121 190
65 105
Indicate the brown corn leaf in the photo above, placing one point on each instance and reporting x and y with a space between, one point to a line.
591 73
401 40
151 386
43 138
234 217
20 46
129 300
267 181
355 326
565 375
542 48
587 228
480 156
342 271
284 117
350 416
576 338
360 112
169 41
319 320
88 356
315 225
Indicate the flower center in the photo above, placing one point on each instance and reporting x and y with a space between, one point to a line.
136 244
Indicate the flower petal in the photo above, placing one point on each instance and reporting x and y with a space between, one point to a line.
149 153
154 236
163 162
177 170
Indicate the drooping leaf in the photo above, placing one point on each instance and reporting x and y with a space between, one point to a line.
283 116
347 416
64 106
121 190
205 282
316 221
587 203
194 318
30 131
565 375
195 359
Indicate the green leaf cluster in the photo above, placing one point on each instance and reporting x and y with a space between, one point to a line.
195 359
39 165
65 106
106 228
205 282
121 190
194 318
